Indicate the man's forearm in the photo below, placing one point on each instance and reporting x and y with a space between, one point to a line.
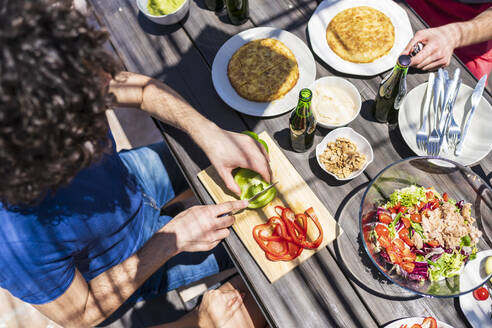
111 289
473 31
160 101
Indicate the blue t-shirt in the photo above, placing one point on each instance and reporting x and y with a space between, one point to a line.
92 224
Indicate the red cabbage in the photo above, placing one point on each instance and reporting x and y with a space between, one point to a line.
434 258
385 256
460 204
420 272
399 225
435 251
449 250
417 251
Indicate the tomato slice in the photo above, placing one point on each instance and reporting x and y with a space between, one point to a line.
403 234
385 218
381 230
408 266
384 242
481 293
399 244
416 218
445 197
395 259
429 195
406 222
429 322
402 209
433 243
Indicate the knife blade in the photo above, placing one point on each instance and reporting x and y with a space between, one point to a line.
475 99
252 198
255 196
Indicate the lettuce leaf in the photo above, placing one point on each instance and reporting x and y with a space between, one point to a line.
408 197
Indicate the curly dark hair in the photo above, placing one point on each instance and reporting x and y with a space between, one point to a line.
53 96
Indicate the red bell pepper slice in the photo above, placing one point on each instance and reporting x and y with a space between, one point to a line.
284 237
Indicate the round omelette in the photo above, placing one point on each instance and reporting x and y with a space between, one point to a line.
263 70
360 34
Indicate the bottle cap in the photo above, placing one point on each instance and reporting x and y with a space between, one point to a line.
404 60
305 94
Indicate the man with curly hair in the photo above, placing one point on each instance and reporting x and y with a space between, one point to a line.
80 225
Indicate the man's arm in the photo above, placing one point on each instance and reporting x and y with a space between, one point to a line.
440 42
87 304
226 150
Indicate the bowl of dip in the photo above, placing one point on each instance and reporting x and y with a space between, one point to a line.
336 102
164 12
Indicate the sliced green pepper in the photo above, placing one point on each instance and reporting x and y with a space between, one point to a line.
252 183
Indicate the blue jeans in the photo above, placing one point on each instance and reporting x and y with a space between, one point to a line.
161 179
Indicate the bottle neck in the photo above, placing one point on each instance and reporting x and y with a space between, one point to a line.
400 70
303 108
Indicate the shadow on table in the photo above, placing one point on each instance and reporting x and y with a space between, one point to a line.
353 258
150 27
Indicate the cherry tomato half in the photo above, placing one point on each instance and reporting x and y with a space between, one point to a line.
385 218
481 293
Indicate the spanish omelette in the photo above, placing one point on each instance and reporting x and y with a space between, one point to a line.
360 34
263 70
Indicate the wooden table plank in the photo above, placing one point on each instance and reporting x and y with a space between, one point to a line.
271 298
322 287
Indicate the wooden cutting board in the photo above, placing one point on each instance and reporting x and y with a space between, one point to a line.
292 191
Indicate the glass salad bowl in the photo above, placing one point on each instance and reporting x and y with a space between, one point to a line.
460 183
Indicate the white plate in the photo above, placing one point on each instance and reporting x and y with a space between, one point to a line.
478 142
330 8
412 320
363 147
341 83
478 313
305 61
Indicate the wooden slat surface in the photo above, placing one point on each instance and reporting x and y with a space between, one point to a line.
292 192
337 286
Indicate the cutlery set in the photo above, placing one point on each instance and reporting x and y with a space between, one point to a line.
444 131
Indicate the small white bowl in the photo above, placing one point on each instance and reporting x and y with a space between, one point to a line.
345 85
363 147
168 19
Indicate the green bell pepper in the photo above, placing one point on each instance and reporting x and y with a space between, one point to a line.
252 183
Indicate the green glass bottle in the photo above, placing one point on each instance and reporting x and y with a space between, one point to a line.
302 123
391 92
215 5
238 11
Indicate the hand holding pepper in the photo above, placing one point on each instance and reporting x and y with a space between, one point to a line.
228 150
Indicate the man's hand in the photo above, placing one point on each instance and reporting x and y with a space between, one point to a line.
439 44
218 307
200 228
228 150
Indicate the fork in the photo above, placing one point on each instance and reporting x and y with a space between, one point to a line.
454 131
434 140
422 132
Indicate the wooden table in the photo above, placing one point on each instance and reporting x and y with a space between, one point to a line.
338 286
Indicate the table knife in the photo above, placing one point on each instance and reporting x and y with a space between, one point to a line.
252 198
475 99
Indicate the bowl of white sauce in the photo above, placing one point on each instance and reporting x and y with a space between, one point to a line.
336 102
